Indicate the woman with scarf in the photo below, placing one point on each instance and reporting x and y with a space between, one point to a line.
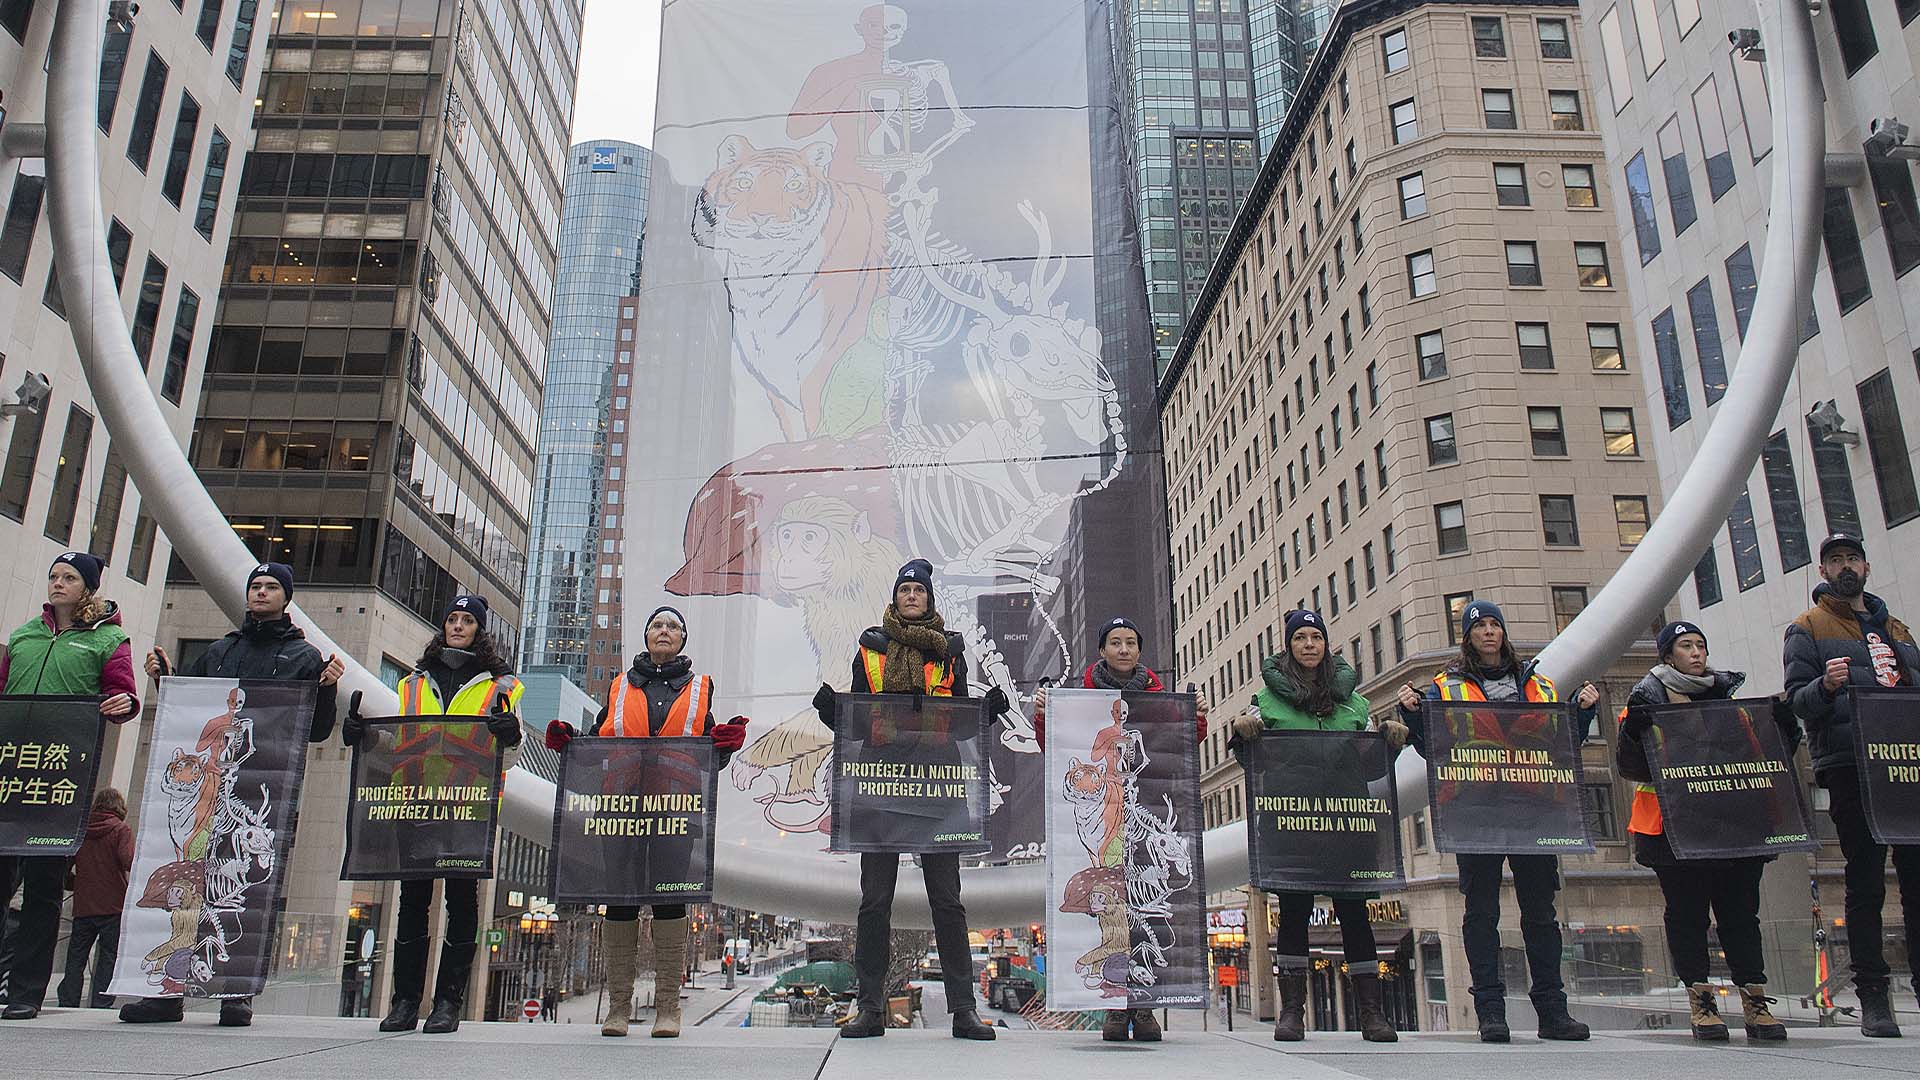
461 673
1119 668
911 652
1730 888
1488 669
659 697
1307 689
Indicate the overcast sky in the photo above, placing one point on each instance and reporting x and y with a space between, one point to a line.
619 61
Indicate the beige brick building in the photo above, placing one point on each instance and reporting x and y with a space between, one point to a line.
1410 382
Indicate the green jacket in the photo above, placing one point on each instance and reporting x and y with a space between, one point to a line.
1278 700
93 659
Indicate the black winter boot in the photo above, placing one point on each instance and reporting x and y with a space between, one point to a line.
237 1012
450 988
153 1011
1291 1023
1558 1025
403 1014
870 1024
1493 1021
1876 1014
967 1025
1146 1026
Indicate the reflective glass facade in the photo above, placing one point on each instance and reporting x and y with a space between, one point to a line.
600 226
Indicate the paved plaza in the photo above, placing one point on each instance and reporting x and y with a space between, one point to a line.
81 1043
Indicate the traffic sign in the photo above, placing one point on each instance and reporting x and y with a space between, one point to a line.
531 1008
1229 975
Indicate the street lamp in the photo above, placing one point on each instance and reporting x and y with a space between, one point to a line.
536 927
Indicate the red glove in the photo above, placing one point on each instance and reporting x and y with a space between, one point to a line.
731 735
1040 727
559 734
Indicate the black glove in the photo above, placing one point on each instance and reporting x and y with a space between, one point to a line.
1637 723
356 725
823 703
997 704
504 725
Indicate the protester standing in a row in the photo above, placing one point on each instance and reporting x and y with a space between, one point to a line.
1306 688
1488 669
265 646
911 652
461 673
100 871
660 696
1849 638
75 646
1730 888
1119 668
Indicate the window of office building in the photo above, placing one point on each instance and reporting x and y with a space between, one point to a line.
1441 447
1510 184
1831 473
1568 602
1630 518
146 312
1647 25
1536 346
1603 344
1646 231
1559 522
67 473
1489 37
1399 636
1673 379
1899 213
1591 259
1616 430
1853 28
1523 262
1393 50
1546 431
1756 111
1844 256
1742 284
1450 528
1563 106
213 179
1496 106
1713 138
113 68
1614 47
186 315
1422 280
1578 181
1455 604
15 15
1747 572
1783 495
1406 125
1413 195
1706 579
1555 42
146 112
1430 355
1673 166
186 127
23 219
1887 444
16 483
106 509
1706 339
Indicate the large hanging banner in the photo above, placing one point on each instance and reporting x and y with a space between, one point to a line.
1322 812
1886 743
910 774
892 305
633 822
1725 781
1504 777
216 820
49 760
423 800
1126 897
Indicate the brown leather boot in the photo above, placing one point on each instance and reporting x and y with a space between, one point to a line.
1115 1028
1374 1025
1291 1024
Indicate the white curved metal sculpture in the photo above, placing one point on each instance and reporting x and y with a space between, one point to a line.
811 884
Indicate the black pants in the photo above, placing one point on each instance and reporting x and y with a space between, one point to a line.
872 946
43 884
99 935
1732 891
1356 932
660 911
411 941
1535 879
1867 880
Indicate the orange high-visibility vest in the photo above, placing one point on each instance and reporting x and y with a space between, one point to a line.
627 709
1538 689
939 673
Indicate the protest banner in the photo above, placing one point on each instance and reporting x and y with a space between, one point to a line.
1504 778
422 801
49 761
910 775
1725 781
1323 812
1886 743
633 821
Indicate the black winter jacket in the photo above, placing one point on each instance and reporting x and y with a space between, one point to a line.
1630 749
273 649
1833 629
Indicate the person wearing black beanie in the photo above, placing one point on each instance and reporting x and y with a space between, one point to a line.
1489 669
911 652
1729 889
267 646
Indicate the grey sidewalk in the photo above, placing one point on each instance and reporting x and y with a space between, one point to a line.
75 1043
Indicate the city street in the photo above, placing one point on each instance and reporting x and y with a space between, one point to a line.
75 1043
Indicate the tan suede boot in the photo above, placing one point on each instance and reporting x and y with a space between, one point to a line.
1703 1005
669 959
620 938
1761 1025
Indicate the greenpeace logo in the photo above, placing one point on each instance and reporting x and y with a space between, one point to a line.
1180 999
1786 838
1560 841
678 886
944 837
49 841
463 864
1366 875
